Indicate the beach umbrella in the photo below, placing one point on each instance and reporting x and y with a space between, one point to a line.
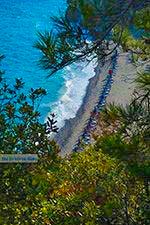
86 130
110 72
103 104
93 122
107 93
86 142
88 127
106 87
103 100
85 134
75 148
100 108
86 137
95 110
101 97
108 90
93 119
93 128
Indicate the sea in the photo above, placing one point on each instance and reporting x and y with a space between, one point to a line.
20 21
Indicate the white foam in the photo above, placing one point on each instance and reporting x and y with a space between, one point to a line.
77 78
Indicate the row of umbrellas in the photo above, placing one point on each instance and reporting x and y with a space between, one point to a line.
85 136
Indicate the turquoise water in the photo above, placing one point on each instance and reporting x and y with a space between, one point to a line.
19 23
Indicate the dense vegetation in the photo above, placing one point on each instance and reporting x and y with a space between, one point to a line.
94 29
107 183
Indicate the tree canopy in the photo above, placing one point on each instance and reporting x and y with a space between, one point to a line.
94 29
107 183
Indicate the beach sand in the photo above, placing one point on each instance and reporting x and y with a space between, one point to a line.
121 93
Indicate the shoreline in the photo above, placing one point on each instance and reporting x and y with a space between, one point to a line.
120 93
73 126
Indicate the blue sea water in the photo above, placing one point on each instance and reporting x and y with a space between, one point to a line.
20 20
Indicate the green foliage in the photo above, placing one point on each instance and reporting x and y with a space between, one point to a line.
87 29
136 37
23 186
141 19
105 184
131 144
94 189
143 82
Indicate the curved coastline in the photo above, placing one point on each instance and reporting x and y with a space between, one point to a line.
74 126
121 93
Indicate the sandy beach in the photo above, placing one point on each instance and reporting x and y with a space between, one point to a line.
121 93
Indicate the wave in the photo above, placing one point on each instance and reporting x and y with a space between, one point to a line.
76 80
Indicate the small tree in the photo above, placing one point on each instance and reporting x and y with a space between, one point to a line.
24 185
93 29
131 143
